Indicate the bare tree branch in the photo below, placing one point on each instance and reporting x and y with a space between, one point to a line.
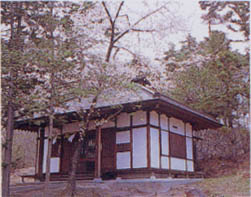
117 14
114 115
107 12
144 30
116 52
137 22
109 51
127 19
241 41
125 49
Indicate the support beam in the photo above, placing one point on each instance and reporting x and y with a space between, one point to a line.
41 153
148 141
169 148
98 153
37 150
194 141
131 143
185 132
61 150
160 143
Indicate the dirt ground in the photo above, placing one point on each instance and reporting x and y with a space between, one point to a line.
226 178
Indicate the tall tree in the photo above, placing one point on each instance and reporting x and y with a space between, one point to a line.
235 14
210 77
55 53
114 34
114 26
62 64
17 80
98 81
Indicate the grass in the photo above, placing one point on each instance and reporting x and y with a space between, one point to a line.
227 178
226 186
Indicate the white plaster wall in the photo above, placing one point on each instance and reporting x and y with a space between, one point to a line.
164 162
177 126
178 164
55 161
189 129
123 120
123 137
155 151
189 147
164 142
45 154
123 160
190 167
154 118
108 124
163 122
139 118
139 148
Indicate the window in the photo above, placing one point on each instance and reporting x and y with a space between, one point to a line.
177 145
89 147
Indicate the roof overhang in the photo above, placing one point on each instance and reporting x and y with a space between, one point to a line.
161 104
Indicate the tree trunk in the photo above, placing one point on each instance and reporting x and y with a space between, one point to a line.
51 117
48 158
230 121
71 185
209 28
6 166
109 52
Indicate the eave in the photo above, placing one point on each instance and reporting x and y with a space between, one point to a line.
161 104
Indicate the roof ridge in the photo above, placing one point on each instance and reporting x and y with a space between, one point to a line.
146 89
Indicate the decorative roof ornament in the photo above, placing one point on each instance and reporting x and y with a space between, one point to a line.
141 79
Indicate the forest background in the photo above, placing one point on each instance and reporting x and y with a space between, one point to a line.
50 48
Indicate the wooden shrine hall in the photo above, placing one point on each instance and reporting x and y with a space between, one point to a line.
151 136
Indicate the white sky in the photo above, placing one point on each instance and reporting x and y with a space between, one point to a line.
190 13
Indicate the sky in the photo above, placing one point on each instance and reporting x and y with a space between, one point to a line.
190 14
199 29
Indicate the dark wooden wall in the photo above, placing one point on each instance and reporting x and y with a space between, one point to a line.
108 152
177 145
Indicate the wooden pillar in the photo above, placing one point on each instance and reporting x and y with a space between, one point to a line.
148 141
98 153
41 154
160 143
185 133
194 141
169 148
61 150
37 149
131 142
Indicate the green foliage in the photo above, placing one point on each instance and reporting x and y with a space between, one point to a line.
210 77
18 81
54 54
225 130
235 14
4 165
